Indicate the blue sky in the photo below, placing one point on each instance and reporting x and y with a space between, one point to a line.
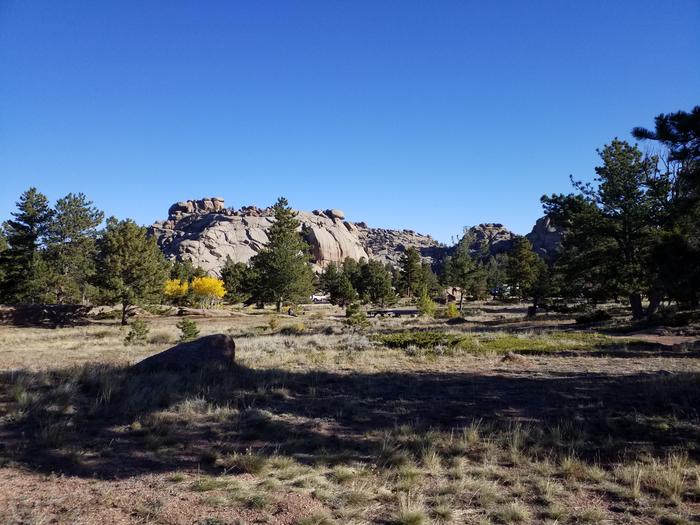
405 114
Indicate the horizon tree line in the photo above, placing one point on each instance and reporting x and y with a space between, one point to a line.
633 233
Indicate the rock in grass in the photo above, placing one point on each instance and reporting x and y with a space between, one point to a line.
512 357
208 350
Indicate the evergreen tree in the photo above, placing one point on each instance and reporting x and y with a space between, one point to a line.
282 267
495 275
676 256
236 280
411 274
185 271
22 265
71 247
612 228
375 283
426 306
3 247
524 268
461 269
343 293
338 285
428 280
131 267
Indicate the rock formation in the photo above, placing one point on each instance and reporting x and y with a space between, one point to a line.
494 235
387 246
546 239
205 232
217 349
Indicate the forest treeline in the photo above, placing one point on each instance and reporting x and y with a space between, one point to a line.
633 235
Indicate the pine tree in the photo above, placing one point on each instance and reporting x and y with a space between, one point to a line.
461 269
283 267
375 283
131 267
185 271
524 268
22 265
3 247
613 227
676 255
338 285
71 247
236 277
495 275
411 275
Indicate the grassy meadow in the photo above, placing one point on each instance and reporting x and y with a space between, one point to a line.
411 421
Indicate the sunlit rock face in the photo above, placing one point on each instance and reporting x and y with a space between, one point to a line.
206 233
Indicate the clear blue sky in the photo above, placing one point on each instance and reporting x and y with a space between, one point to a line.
405 114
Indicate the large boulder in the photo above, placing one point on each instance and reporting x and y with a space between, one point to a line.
335 214
211 349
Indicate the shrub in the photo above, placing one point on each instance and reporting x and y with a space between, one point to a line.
175 289
418 339
188 330
208 290
162 338
426 306
596 316
356 318
451 312
352 309
295 329
138 333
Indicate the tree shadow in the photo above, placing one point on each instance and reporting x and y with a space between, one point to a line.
44 315
111 422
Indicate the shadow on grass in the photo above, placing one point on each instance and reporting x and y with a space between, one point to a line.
103 421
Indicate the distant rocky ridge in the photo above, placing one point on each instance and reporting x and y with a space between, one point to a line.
387 246
206 233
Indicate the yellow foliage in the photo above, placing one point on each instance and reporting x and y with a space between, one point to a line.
208 288
174 288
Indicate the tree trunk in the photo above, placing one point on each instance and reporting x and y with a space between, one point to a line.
461 300
125 309
654 303
636 305
279 306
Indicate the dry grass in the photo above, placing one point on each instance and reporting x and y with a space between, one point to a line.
346 429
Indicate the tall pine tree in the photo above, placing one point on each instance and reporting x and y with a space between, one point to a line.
22 265
612 228
131 267
282 268
411 272
524 270
71 247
